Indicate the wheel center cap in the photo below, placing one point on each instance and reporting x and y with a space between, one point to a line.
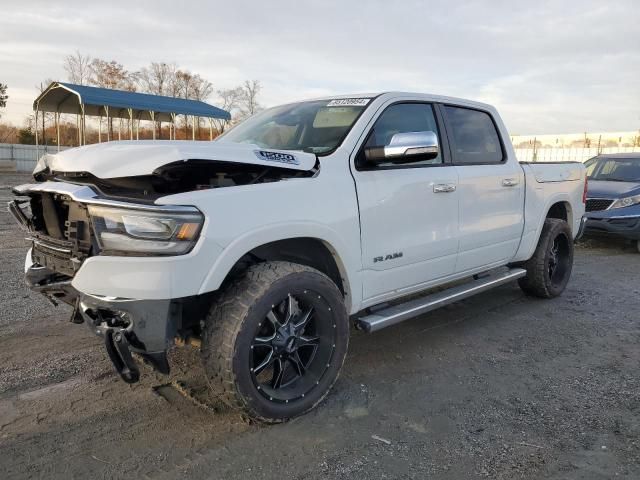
285 340
290 345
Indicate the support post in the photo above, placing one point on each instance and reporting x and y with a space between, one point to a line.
153 121
210 129
193 127
138 128
100 127
106 109
57 118
173 124
84 124
130 123
36 129
119 128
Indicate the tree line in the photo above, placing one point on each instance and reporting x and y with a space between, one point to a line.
158 78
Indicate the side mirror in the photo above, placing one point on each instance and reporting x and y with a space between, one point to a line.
405 148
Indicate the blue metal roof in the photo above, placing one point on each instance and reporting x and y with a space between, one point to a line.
58 97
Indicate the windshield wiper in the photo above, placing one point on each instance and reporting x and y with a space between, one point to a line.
614 179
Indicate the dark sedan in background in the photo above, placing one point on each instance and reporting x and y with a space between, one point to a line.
613 196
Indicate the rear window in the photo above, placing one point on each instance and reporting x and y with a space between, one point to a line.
475 138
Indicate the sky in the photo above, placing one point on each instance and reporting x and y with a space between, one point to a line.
548 66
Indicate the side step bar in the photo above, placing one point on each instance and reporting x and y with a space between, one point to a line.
385 317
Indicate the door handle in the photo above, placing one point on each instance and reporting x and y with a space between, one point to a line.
444 188
509 182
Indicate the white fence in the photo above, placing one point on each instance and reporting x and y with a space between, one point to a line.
23 158
566 154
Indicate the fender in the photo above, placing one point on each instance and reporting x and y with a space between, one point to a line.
348 262
534 221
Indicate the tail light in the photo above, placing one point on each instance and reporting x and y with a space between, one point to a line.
584 192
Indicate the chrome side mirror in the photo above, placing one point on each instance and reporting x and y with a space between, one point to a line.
405 148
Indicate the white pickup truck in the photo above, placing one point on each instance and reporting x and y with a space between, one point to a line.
261 246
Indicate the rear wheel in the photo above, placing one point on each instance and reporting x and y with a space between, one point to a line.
638 245
549 269
274 342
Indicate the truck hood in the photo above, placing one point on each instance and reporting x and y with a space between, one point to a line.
609 189
134 158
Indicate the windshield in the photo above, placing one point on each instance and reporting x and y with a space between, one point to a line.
614 169
316 127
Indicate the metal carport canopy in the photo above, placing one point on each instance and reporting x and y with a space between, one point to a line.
62 97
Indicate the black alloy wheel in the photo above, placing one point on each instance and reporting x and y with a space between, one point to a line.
549 269
293 347
558 263
275 340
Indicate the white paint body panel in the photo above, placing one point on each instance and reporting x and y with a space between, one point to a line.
399 212
132 158
358 215
491 214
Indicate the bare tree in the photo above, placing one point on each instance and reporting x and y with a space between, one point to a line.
249 104
202 89
229 100
184 85
158 78
3 95
111 74
8 133
194 87
78 68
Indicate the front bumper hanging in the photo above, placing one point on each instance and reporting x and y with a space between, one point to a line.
144 327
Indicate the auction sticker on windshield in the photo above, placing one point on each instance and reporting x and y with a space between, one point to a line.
348 102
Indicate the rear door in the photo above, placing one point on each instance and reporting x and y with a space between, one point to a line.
490 186
408 212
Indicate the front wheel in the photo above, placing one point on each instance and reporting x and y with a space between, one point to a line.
549 269
274 342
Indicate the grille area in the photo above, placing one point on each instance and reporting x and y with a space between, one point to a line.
60 231
595 204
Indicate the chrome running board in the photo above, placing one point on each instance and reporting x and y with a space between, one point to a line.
387 316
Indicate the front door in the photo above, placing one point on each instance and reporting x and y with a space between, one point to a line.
408 212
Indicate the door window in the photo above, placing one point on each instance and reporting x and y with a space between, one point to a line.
401 118
475 138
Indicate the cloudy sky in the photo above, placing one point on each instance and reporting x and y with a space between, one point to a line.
549 66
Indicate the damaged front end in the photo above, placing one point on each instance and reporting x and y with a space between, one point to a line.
100 201
57 217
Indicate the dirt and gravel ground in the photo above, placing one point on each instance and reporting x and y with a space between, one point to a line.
499 386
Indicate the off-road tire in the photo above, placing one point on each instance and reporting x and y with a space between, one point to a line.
538 281
230 327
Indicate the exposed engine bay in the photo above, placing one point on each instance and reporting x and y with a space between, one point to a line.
178 177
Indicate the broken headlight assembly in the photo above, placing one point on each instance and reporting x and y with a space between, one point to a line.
139 232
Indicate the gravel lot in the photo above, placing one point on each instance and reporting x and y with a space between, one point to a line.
498 386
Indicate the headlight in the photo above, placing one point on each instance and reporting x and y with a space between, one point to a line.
139 232
626 202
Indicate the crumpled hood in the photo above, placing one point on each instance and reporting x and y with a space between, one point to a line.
610 189
133 158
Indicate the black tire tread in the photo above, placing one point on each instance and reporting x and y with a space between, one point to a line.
224 322
535 282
